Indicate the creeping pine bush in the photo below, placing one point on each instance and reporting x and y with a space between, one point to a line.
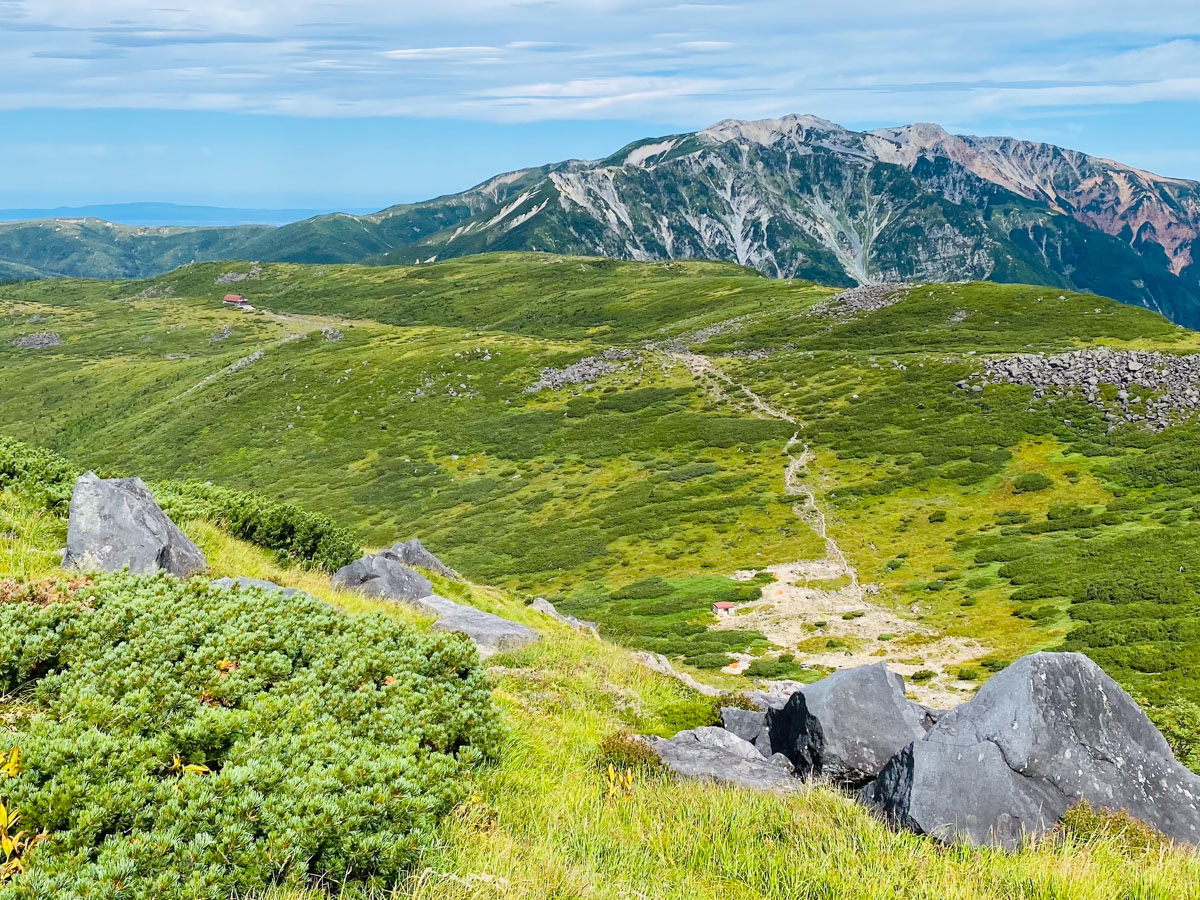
192 742
295 534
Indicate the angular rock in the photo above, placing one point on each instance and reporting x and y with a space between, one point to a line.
746 724
545 607
269 586
847 726
115 523
962 793
385 577
492 633
1060 722
413 553
714 754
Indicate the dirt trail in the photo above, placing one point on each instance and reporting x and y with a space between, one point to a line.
828 590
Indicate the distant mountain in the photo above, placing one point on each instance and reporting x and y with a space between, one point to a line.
168 214
797 197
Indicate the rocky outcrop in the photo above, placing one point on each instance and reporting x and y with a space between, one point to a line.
1065 732
413 553
43 340
383 576
714 754
115 524
845 728
658 663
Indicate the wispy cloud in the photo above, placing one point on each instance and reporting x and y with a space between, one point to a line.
520 60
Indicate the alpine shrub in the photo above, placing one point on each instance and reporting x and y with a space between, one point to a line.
189 741
296 535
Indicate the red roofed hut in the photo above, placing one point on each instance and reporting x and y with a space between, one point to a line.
235 299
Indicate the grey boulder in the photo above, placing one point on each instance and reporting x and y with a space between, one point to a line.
962 793
385 577
115 523
1049 731
845 727
262 584
492 633
413 553
714 754
746 724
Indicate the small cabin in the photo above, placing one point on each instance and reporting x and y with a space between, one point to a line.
235 300
723 608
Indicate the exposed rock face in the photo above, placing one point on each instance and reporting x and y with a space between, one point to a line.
586 371
714 754
383 576
115 523
1066 732
545 607
262 584
846 726
745 723
413 553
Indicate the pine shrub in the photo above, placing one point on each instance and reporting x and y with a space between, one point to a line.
188 741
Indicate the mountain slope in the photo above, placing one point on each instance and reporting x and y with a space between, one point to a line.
797 197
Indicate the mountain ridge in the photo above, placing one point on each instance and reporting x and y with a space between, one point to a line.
794 197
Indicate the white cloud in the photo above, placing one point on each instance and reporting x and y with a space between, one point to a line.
513 60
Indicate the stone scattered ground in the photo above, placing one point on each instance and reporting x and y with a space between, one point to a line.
1152 389
828 589
588 370
43 340
867 298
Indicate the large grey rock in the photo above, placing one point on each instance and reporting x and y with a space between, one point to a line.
492 633
962 793
269 586
385 577
115 523
847 726
1059 721
714 754
413 553
747 724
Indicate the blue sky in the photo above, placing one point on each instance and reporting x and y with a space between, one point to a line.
298 103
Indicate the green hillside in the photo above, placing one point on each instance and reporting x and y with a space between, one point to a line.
404 401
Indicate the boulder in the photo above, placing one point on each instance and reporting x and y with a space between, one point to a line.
385 577
269 586
491 633
962 793
1060 722
847 726
115 523
746 724
714 754
546 608
413 553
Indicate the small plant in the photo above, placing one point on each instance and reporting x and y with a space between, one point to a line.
1031 482
617 784
938 515
623 751
922 675
14 845
854 614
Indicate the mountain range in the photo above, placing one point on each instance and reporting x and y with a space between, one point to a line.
797 197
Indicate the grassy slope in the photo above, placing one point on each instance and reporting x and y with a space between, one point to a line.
540 826
418 422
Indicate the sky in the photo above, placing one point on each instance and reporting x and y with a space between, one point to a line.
302 103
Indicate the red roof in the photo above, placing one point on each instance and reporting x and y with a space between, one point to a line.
234 298
723 604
